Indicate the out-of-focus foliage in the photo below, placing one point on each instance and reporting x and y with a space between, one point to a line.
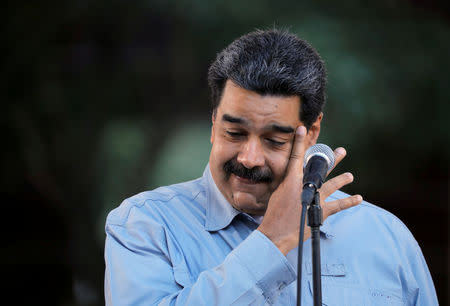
104 99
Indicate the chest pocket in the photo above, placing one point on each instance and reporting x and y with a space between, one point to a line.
338 291
347 295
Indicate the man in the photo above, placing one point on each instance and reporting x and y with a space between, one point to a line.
231 236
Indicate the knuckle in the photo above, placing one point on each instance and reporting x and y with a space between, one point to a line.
333 185
341 204
295 156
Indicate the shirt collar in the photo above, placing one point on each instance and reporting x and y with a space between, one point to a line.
220 213
326 229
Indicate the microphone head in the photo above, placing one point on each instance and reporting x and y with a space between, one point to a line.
320 149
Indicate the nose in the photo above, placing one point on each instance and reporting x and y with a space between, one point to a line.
252 154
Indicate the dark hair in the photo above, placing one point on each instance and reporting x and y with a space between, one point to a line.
272 62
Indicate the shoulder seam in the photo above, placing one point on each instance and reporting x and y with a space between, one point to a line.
141 202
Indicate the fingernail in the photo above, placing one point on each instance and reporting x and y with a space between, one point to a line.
301 130
359 198
349 175
340 151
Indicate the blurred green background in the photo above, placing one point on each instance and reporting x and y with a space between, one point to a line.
104 99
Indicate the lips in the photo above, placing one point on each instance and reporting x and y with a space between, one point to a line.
245 180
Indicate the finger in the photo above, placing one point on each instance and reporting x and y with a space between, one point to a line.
339 154
332 207
335 183
295 164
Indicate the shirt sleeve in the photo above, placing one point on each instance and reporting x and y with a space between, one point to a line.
426 293
416 275
139 271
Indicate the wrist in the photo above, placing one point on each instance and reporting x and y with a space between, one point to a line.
282 243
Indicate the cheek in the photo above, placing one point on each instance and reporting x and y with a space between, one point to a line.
224 150
278 164
218 157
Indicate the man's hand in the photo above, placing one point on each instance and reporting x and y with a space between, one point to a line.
281 222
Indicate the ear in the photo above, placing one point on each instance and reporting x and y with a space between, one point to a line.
213 120
314 131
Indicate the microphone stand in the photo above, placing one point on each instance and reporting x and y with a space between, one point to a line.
314 222
315 171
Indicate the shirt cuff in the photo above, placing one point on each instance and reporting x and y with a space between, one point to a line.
271 269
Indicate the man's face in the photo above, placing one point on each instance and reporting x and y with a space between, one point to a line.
251 143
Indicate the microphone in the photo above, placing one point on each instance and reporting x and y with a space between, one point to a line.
319 159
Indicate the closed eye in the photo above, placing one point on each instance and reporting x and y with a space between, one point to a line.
235 134
275 143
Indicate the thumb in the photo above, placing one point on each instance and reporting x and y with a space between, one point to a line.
295 165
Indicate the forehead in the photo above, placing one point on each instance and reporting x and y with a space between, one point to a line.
258 109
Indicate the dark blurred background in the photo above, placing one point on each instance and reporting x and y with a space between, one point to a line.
104 99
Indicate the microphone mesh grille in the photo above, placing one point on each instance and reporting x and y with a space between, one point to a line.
320 149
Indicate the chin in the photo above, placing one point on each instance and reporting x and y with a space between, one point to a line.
249 203
259 211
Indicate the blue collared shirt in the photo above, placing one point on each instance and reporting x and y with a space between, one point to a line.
184 244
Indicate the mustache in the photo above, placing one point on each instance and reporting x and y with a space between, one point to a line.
256 174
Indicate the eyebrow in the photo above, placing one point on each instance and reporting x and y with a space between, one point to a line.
233 119
282 128
274 127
